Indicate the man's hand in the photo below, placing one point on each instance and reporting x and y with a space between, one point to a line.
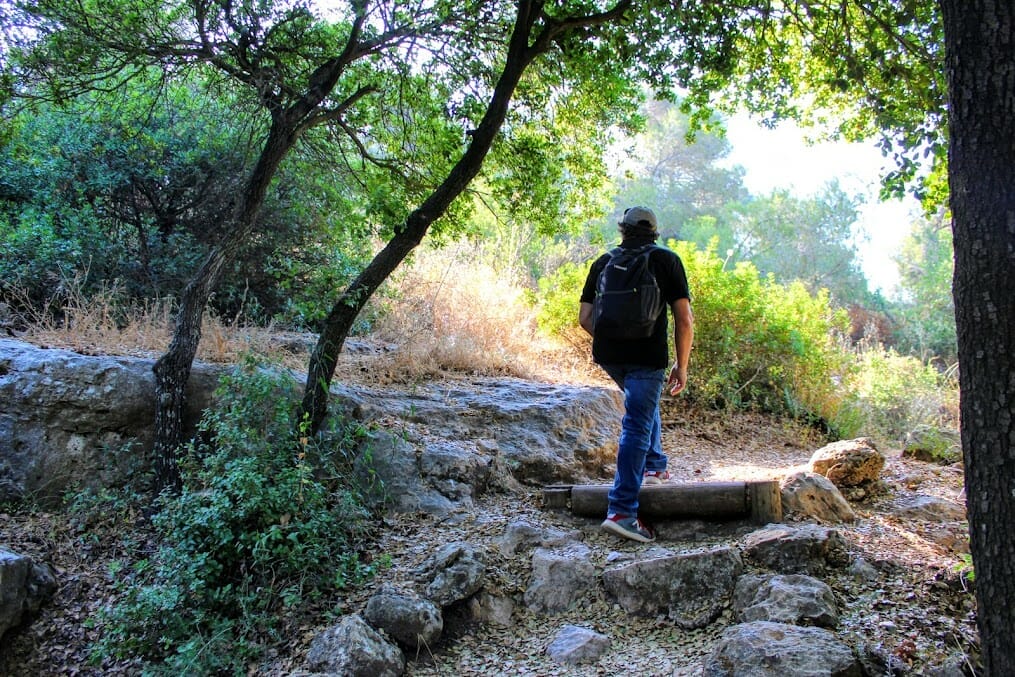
677 380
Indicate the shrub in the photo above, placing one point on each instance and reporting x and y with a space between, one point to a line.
893 394
267 523
759 344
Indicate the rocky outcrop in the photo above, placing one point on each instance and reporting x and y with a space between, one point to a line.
72 419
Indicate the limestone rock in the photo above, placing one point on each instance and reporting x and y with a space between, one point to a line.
692 589
559 578
453 573
574 645
814 495
794 599
24 586
929 508
522 535
807 548
849 463
764 649
413 622
933 444
69 418
354 649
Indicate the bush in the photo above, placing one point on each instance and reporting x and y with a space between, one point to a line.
893 394
762 345
267 523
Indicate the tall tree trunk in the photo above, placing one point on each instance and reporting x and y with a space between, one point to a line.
343 313
980 62
172 369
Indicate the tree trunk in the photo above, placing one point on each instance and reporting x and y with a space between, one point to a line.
339 321
172 370
980 63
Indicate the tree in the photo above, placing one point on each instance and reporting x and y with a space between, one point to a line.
806 239
926 267
981 166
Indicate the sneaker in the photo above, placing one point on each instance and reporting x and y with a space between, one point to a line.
628 527
655 477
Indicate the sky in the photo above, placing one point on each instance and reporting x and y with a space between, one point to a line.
781 158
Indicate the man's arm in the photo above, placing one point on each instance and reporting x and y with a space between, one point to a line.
683 337
585 316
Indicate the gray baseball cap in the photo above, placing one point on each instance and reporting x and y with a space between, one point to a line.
634 215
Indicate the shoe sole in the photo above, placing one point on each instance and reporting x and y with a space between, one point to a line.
613 527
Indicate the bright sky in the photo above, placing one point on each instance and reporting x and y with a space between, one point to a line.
780 158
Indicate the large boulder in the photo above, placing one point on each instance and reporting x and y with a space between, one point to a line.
794 599
453 573
24 586
807 548
415 623
72 419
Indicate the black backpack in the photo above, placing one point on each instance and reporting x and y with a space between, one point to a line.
628 300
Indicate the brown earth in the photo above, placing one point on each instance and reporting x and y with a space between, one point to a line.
918 612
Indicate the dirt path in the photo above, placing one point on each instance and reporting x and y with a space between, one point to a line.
914 615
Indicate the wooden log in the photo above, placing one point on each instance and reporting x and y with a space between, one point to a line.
710 500
764 500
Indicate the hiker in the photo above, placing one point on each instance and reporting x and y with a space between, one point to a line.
612 308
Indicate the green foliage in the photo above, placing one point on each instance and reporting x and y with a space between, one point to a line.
267 523
893 394
759 344
927 309
558 299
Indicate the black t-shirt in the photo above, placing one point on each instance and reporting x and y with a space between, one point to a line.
652 351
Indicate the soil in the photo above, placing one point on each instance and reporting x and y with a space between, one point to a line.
916 614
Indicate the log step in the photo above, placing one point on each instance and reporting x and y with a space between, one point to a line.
759 501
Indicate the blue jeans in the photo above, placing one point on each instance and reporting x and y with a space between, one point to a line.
640 448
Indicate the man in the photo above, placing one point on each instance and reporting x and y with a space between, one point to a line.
638 366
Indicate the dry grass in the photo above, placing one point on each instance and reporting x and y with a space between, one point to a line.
444 312
449 312
105 324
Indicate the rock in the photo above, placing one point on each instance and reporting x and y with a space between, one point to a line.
559 578
692 589
544 433
814 495
415 623
794 599
807 548
849 463
453 573
574 645
485 607
24 586
78 419
522 535
764 649
354 649
929 508
933 444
